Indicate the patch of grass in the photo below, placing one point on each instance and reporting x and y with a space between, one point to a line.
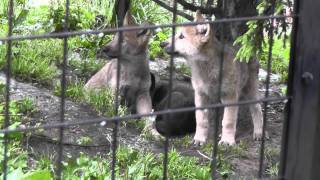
85 68
134 164
26 106
33 61
184 69
84 140
74 91
273 170
272 156
102 101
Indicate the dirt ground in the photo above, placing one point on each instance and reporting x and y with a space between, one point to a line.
48 112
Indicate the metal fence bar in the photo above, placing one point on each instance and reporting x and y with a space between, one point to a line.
300 151
7 95
134 28
218 110
166 143
63 91
116 108
136 116
293 41
265 104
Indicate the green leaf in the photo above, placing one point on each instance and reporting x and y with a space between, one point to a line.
21 17
38 175
16 174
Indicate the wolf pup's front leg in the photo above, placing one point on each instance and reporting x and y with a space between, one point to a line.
202 118
144 106
229 121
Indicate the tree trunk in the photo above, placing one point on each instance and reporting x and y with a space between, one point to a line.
233 9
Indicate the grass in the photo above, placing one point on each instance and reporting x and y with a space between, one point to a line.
131 164
272 156
32 61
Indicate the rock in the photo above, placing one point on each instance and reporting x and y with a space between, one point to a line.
275 78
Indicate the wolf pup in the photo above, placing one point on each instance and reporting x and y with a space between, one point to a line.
135 82
182 96
200 47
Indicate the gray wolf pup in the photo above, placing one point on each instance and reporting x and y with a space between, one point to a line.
200 47
134 79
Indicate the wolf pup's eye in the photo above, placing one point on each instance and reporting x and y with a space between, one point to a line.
181 36
142 32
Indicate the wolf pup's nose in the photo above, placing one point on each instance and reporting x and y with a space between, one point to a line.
105 49
164 44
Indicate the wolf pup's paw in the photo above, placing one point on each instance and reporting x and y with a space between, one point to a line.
230 141
152 133
199 140
257 136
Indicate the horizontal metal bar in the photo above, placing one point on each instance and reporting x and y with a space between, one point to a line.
134 28
135 116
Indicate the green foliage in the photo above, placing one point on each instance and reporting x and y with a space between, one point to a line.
88 46
154 46
79 18
146 10
251 42
280 58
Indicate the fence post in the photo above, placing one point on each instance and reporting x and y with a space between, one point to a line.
300 157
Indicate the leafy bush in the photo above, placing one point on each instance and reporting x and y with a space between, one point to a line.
79 18
154 46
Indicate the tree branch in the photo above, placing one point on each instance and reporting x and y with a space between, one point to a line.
191 7
167 7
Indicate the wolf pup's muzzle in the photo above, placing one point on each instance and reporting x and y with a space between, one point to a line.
168 48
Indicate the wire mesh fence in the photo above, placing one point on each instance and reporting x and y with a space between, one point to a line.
117 119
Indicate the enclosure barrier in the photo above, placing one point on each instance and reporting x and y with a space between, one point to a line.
299 109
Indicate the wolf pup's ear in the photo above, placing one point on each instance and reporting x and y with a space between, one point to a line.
199 17
204 30
128 20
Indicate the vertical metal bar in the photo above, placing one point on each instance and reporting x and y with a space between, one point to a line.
166 143
216 111
63 90
8 78
116 108
122 8
302 147
265 104
284 140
